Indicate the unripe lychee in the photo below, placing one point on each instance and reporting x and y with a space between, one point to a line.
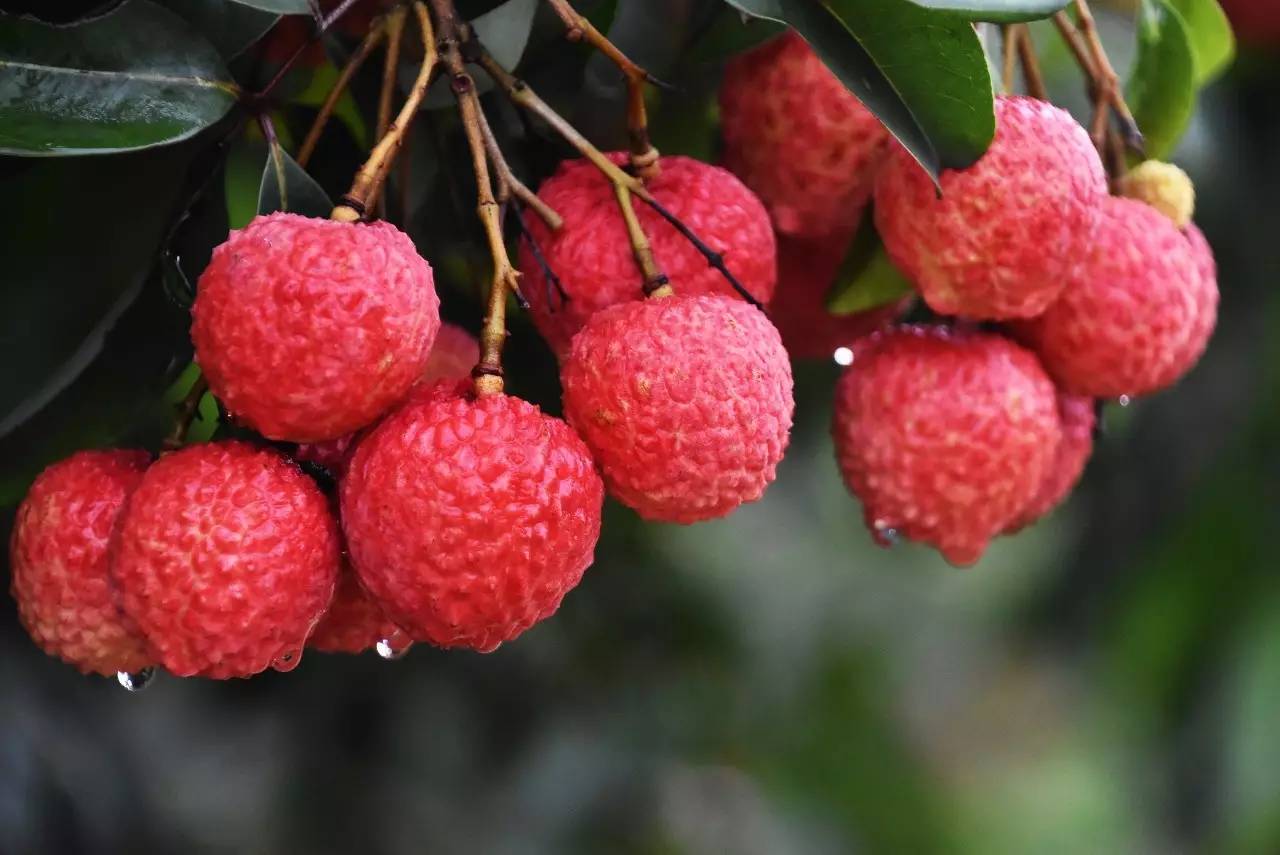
1164 187
226 556
468 520
1008 232
453 355
806 274
58 561
1138 313
685 402
801 140
945 436
308 329
592 256
353 623
1077 417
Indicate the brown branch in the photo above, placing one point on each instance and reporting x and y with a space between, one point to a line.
509 185
369 179
366 47
1030 64
1104 83
644 157
488 372
1009 36
185 413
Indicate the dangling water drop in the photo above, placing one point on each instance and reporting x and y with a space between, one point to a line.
1124 400
287 661
884 534
843 356
135 681
394 647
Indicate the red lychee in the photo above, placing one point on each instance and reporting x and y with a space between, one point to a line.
945 436
685 402
806 273
308 329
58 561
226 556
1008 232
796 136
353 622
1255 22
592 255
469 519
1077 417
1136 316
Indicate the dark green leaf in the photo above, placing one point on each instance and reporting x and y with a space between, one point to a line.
287 187
731 33
1162 88
280 7
867 278
1213 45
231 27
135 78
997 11
921 72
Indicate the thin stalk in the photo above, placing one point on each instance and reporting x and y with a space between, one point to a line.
365 49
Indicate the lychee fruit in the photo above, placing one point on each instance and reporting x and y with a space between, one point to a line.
1136 316
1164 187
685 402
226 556
806 274
945 436
1077 416
799 138
58 561
307 329
353 622
469 519
1007 233
591 254
1254 22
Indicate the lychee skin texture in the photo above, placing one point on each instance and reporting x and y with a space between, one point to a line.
1138 314
945 436
1077 416
796 136
806 273
1164 187
468 520
685 402
353 623
308 329
58 561
592 255
1008 232
226 557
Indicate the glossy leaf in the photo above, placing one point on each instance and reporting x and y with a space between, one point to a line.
286 186
230 27
138 77
1213 45
921 72
996 11
280 7
1162 90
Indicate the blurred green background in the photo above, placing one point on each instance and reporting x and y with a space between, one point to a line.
1107 682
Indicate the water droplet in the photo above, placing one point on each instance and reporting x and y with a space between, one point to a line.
843 356
287 661
394 646
1124 400
135 681
884 534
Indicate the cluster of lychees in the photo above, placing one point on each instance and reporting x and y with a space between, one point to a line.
951 433
463 515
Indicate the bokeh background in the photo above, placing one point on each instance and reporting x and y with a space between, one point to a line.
1106 682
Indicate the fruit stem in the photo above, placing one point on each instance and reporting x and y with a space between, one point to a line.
509 185
1009 35
391 63
549 276
369 179
488 371
1104 83
644 157
367 45
1030 64
185 413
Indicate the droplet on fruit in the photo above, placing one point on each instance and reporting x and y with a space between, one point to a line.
287 661
843 356
135 681
1124 400
394 646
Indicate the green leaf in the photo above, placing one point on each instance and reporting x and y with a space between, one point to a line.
280 7
923 73
995 11
230 27
1162 90
135 78
867 278
286 186
1213 45
730 33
